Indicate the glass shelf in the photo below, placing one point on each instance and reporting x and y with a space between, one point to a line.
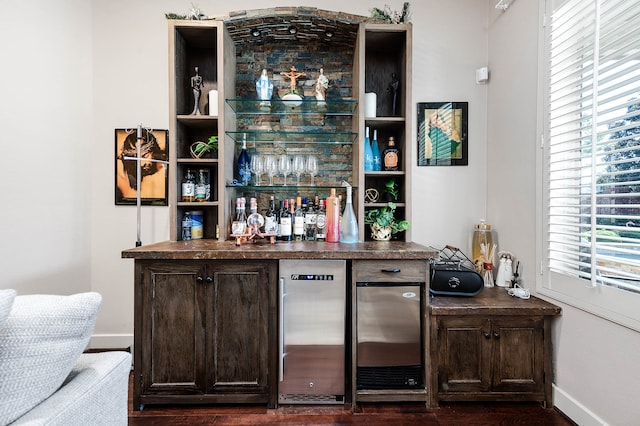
280 188
267 136
304 106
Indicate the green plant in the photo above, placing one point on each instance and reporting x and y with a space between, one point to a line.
200 147
385 217
392 188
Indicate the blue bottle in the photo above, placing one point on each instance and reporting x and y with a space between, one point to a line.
243 166
368 153
377 159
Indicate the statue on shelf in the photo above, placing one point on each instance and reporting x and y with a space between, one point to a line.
293 75
393 89
196 86
322 84
264 88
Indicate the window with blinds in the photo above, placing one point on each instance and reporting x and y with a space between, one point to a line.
592 146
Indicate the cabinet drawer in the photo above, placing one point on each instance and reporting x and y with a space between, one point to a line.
390 270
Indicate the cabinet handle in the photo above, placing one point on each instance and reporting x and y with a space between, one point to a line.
393 270
487 335
199 280
209 280
496 335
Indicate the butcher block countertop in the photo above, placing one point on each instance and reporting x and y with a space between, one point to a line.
214 249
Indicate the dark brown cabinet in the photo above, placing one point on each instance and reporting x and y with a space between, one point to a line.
491 347
204 332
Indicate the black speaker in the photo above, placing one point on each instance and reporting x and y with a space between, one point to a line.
454 280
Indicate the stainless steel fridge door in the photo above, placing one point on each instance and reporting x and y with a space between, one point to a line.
312 325
389 335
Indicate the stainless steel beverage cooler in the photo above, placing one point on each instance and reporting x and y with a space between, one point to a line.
389 336
312 331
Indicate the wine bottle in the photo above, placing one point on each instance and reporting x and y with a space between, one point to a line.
286 230
298 221
310 220
243 165
271 218
375 149
321 222
349 223
333 217
368 154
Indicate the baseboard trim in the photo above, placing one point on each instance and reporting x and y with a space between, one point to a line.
574 410
111 341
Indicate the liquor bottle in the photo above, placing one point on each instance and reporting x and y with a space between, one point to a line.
271 218
375 149
286 230
368 154
321 222
244 163
333 217
391 156
349 223
255 221
186 226
189 186
310 220
298 221
239 225
201 186
279 215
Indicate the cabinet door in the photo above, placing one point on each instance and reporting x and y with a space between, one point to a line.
172 346
241 298
464 354
518 354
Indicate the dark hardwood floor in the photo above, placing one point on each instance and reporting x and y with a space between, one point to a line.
467 414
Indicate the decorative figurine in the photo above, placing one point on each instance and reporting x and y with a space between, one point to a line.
393 88
293 75
322 84
196 86
292 99
264 87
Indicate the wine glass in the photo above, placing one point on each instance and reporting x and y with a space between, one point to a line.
298 167
271 167
284 165
312 167
257 167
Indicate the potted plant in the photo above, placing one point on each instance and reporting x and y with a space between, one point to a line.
199 148
383 222
391 191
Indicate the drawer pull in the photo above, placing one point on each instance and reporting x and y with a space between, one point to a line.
199 280
487 335
392 270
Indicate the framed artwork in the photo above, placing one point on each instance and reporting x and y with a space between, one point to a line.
442 134
154 181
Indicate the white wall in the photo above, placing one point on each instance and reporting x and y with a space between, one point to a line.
597 376
46 123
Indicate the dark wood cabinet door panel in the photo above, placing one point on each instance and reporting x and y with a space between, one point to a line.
518 354
464 355
174 328
239 343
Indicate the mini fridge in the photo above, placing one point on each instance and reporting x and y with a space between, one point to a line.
312 331
390 347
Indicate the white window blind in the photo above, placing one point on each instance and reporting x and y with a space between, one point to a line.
592 161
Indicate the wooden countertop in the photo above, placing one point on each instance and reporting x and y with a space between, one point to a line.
491 301
214 249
